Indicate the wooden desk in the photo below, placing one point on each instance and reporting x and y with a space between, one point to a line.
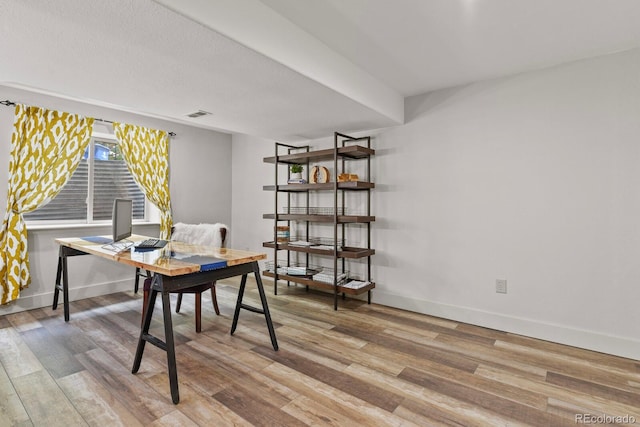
176 266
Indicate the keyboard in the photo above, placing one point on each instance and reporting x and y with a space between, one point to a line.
151 244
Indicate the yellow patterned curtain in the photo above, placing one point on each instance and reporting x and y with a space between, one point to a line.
146 152
46 148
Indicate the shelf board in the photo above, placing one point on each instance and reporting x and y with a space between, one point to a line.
346 252
350 152
321 285
342 219
350 185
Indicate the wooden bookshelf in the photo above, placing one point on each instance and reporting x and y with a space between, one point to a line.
346 149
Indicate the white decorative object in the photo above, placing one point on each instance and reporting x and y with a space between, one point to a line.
200 234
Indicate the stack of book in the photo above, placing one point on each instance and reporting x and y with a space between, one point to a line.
328 277
356 284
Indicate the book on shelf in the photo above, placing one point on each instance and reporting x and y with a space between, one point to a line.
300 243
296 181
328 277
326 247
297 271
356 284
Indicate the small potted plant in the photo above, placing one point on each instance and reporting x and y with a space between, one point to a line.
296 171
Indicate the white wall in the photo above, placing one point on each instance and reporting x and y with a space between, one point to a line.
532 178
200 168
249 230
200 184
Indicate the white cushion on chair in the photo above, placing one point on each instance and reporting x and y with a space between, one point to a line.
200 234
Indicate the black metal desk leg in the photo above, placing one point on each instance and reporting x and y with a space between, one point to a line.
137 282
236 314
171 350
144 331
265 306
58 286
65 287
263 300
63 254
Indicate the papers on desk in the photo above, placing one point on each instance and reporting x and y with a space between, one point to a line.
108 243
117 246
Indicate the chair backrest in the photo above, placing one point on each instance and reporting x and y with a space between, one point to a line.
201 234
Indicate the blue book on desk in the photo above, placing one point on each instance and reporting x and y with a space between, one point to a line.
206 263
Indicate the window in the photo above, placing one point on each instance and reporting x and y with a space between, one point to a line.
101 177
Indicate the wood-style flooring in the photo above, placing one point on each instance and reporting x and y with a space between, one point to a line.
364 365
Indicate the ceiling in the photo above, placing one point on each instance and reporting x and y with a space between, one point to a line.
292 69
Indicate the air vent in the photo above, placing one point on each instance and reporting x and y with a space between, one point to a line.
197 114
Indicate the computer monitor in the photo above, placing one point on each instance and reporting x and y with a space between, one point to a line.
121 219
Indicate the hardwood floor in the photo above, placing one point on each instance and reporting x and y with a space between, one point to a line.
365 365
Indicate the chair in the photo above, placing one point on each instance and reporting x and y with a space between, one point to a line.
202 234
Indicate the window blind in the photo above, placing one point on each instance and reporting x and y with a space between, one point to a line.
111 180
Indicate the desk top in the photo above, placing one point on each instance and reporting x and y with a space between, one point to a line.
175 259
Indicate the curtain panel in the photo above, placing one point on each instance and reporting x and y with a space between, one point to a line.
46 148
146 152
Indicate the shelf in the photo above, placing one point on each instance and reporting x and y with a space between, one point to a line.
350 185
335 213
346 252
342 219
350 152
320 285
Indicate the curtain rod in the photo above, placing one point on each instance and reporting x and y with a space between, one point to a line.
8 103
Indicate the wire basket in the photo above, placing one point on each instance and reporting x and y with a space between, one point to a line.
314 210
293 268
313 242
326 241
327 276
313 272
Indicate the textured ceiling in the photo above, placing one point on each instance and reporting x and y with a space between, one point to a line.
292 69
143 57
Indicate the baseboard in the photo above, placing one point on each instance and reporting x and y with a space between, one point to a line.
46 299
618 346
609 344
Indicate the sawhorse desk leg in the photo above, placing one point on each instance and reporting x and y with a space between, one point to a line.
137 280
167 345
263 300
63 272
164 285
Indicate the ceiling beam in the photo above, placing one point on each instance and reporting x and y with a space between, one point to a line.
258 27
